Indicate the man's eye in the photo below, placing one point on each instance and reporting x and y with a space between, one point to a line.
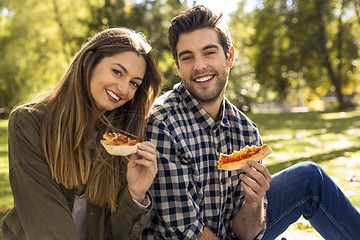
186 58
210 53
117 72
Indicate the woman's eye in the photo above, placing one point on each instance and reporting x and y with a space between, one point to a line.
117 72
135 84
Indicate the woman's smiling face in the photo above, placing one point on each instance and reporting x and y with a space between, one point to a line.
115 79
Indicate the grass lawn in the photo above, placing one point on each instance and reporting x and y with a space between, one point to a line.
329 139
6 199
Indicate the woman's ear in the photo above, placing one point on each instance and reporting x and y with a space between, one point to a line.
230 57
86 57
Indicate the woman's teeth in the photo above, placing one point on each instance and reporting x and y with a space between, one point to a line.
113 95
203 79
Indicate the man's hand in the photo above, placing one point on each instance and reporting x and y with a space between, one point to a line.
208 235
256 182
250 219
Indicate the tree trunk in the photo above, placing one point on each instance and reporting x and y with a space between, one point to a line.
335 77
357 8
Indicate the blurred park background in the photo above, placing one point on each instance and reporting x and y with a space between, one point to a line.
296 71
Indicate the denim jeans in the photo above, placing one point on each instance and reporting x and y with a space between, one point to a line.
305 189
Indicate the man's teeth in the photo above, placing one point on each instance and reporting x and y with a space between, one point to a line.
113 95
203 79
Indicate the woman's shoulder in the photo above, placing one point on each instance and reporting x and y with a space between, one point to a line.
26 114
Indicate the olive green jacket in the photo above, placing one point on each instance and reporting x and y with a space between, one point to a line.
42 208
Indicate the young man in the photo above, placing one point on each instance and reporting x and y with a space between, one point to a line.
194 123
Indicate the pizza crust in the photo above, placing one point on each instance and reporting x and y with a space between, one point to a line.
118 144
120 150
235 165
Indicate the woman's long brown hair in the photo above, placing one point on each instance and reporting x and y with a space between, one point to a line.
69 112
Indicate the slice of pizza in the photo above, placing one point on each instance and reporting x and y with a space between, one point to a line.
238 159
119 144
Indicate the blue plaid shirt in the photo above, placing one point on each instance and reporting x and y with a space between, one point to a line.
189 191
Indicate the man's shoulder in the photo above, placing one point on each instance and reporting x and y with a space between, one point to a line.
166 105
234 114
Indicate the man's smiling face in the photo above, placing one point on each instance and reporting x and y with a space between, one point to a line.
202 64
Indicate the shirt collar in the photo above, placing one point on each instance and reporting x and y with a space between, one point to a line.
200 114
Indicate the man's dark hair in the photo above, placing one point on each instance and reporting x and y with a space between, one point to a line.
195 18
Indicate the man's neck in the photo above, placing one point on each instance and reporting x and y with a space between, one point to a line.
213 108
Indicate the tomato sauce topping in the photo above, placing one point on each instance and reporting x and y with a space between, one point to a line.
119 139
240 155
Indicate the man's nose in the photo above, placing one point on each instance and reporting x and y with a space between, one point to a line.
199 63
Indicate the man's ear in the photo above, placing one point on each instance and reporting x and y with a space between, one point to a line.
176 63
231 57
177 67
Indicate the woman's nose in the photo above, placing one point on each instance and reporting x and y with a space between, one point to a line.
123 86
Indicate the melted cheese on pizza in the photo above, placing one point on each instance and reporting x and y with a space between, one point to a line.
118 139
240 155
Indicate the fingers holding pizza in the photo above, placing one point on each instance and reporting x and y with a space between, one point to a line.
257 179
255 182
142 169
238 159
142 166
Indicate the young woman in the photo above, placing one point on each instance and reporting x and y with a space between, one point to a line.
65 185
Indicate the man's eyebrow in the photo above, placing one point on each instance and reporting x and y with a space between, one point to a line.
211 46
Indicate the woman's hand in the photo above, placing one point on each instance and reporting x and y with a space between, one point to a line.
142 169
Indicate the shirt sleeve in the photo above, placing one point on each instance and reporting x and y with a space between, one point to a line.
145 204
173 191
40 207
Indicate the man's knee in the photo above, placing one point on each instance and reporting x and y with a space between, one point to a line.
308 170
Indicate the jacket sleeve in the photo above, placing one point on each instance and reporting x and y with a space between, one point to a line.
41 210
129 220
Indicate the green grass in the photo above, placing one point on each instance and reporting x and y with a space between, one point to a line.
329 139
6 199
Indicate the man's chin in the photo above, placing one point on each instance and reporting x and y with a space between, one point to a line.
206 98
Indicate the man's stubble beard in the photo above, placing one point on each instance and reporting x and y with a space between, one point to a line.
214 95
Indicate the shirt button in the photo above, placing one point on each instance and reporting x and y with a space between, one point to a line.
91 213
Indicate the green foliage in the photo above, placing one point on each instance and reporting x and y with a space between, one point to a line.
35 52
305 42
37 46
6 199
278 50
